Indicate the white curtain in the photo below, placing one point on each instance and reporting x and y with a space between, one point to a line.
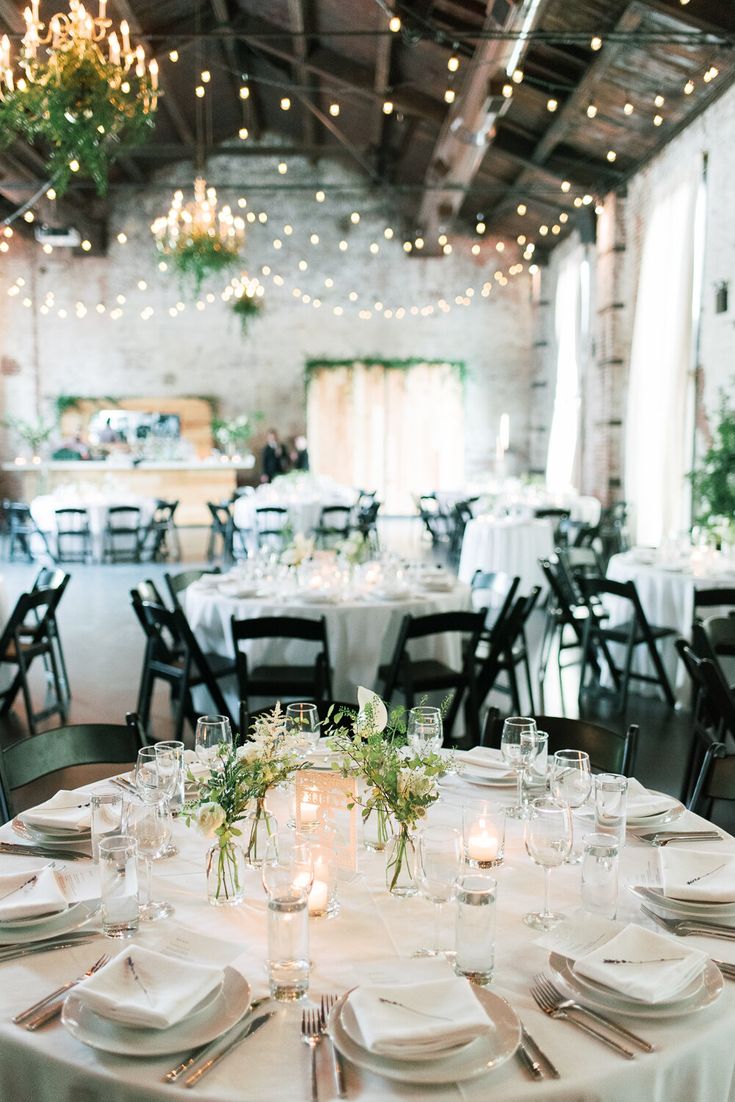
570 326
656 450
399 431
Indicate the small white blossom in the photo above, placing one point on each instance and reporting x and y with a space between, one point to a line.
210 818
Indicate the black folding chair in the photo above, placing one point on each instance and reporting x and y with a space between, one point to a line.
223 529
22 531
158 541
120 541
312 681
417 676
49 578
73 536
178 583
271 526
631 634
46 755
435 520
609 751
335 524
24 638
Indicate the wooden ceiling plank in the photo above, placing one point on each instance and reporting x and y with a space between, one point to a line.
297 16
229 48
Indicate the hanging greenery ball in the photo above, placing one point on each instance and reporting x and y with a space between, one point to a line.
246 307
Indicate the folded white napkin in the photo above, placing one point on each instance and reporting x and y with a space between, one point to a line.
64 811
432 1016
488 761
641 802
696 875
20 898
143 988
669 966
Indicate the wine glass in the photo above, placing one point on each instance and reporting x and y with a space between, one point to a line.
212 734
548 837
170 769
518 746
571 782
439 865
146 774
149 822
425 730
304 723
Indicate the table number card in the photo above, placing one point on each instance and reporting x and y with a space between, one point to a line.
322 805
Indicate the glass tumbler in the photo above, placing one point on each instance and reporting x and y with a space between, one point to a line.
611 798
118 859
106 818
600 875
475 929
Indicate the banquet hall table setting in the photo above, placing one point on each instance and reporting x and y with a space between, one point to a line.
363 615
666 585
510 544
370 941
96 503
304 495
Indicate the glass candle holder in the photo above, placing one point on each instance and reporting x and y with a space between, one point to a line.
611 801
323 901
600 875
483 834
475 929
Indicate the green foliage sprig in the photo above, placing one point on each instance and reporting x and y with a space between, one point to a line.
33 433
203 256
713 481
246 308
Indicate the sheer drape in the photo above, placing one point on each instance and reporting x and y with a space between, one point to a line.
569 326
656 452
397 430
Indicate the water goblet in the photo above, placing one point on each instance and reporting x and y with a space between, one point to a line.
425 732
146 774
548 838
212 734
149 822
304 725
439 866
170 769
571 782
517 745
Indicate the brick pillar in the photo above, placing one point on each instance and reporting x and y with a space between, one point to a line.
541 397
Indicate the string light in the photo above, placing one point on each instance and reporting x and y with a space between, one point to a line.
173 56
334 110
659 100
517 77
628 109
200 91
611 155
355 217
521 209
657 120
552 104
285 103
86 245
388 107
320 196
449 95
596 42
394 24
689 88
565 186
244 92
282 168
453 63
206 76
507 90
243 133
51 194
591 111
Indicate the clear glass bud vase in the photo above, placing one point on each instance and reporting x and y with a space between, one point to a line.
225 874
257 828
401 863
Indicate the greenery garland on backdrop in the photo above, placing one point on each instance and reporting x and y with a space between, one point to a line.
315 365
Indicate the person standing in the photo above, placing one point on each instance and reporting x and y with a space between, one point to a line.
273 458
299 454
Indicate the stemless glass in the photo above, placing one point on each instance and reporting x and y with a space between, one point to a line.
548 837
304 723
288 876
149 822
439 866
518 745
571 782
211 733
425 731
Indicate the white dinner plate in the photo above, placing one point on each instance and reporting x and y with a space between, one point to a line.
485 778
467 1062
349 1023
43 927
684 908
661 817
51 836
238 591
210 1021
701 992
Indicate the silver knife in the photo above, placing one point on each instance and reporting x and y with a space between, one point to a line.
663 837
204 1050
41 851
207 1066
48 946
540 1054
524 1055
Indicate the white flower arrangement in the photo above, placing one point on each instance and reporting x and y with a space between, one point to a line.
299 551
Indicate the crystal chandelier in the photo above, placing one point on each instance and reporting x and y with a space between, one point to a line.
81 87
200 237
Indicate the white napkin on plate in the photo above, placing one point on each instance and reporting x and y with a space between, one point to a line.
20 899
143 988
697 876
642 803
656 981
433 1016
488 761
64 811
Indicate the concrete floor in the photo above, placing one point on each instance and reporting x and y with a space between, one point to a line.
103 644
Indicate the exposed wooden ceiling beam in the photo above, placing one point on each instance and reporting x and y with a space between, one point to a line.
342 138
710 16
297 17
228 46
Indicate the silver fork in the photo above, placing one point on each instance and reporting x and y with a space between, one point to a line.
327 1002
24 1016
311 1036
685 927
550 1007
569 1004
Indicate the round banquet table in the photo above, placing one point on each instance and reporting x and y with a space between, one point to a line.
362 633
304 496
694 1057
667 598
43 510
510 544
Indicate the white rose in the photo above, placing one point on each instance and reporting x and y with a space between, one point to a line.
210 818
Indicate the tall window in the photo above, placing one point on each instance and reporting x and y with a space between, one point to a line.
571 325
398 430
657 452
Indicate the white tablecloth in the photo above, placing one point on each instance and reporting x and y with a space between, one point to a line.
361 633
511 545
694 1059
43 510
304 496
667 597
585 509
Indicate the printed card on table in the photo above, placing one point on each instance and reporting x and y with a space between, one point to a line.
322 807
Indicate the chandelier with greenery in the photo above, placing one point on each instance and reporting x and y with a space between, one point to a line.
199 237
81 88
